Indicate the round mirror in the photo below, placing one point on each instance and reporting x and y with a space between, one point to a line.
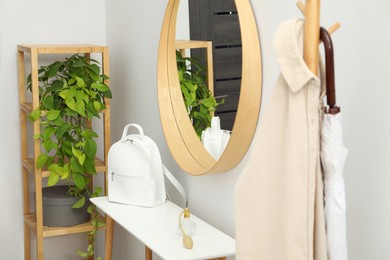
182 140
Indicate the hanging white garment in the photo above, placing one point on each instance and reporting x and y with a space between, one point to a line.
333 155
279 196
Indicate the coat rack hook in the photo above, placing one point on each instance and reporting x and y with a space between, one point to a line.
331 30
301 7
334 28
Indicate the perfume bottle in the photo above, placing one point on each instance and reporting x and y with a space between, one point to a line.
187 227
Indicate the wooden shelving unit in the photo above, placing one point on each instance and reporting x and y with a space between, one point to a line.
33 218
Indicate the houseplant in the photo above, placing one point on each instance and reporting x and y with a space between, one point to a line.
71 93
198 99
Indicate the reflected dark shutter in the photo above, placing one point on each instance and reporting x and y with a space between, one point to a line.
217 21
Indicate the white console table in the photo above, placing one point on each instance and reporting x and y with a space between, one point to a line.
157 229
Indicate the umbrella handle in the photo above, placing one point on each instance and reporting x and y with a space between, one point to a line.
330 78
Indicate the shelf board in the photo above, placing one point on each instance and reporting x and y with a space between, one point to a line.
26 107
28 164
190 44
61 49
59 231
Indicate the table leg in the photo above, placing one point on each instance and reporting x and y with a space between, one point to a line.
109 237
148 253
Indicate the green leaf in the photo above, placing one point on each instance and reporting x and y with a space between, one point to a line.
53 167
190 86
98 223
67 148
97 105
53 179
78 63
101 224
90 107
64 93
80 82
75 165
58 122
100 87
54 69
64 83
80 96
49 145
41 160
49 102
56 86
95 68
70 112
34 115
97 191
77 153
79 180
108 94
89 166
87 133
48 132
37 136
62 129
71 81
45 123
90 148
208 102
81 253
96 77
72 92
90 250
71 104
80 108
78 204
66 171
90 209
52 114
81 158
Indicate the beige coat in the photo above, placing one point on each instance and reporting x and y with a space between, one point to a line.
279 196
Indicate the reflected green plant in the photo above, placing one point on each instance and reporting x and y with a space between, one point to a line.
198 99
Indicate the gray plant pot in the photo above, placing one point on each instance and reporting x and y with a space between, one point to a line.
57 208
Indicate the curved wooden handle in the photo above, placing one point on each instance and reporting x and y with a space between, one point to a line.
330 75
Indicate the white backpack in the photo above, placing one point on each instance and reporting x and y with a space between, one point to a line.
135 171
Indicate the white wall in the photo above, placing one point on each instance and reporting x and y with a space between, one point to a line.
362 60
29 22
133 27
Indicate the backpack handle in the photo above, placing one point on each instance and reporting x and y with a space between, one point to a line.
126 129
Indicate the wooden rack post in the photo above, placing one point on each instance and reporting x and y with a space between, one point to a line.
312 35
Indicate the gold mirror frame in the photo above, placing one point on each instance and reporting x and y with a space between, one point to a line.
181 138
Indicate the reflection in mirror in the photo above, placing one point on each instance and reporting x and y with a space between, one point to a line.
215 22
182 140
209 66
197 96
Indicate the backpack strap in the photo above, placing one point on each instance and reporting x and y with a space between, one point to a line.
176 184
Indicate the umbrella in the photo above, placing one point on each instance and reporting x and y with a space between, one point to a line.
333 155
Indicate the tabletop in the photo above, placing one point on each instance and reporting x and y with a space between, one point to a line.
158 229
